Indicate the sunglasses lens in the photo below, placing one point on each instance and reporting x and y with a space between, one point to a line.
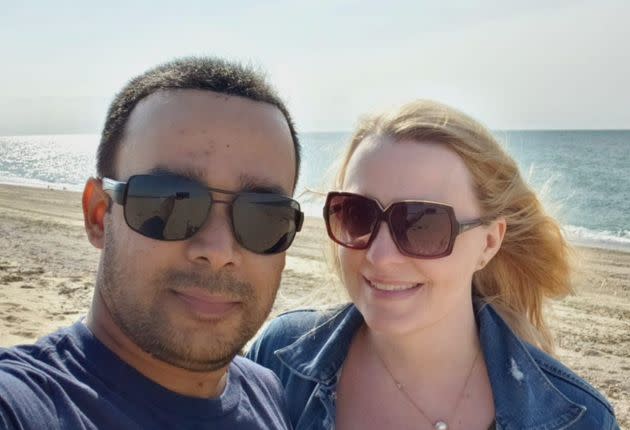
265 223
165 207
422 230
350 219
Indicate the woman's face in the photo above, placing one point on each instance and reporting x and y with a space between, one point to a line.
398 294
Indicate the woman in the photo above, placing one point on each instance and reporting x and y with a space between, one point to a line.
447 256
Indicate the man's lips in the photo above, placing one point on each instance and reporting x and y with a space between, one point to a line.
204 305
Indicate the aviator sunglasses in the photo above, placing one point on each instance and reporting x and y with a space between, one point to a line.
170 207
420 229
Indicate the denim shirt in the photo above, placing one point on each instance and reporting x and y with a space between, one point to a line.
531 390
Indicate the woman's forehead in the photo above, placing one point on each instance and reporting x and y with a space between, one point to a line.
391 170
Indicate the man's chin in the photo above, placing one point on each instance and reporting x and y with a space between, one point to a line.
193 353
182 339
198 346
200 364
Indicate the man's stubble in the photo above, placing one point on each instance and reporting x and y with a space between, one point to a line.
144 324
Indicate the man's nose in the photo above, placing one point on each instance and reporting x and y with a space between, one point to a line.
214 243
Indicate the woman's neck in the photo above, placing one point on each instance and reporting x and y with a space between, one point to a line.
443 351
417 378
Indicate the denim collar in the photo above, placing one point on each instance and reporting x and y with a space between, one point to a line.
524 396
330 340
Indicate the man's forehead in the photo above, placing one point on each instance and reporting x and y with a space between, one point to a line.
230 143
173 104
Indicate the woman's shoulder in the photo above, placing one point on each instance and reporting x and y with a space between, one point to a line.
287 328
523 375
575 388
292 325
297 322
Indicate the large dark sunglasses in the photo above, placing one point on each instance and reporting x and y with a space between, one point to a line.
420 229
169 207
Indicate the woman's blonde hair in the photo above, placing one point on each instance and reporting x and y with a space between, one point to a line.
532 263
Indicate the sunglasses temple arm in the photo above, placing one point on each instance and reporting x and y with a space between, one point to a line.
115 189
465 226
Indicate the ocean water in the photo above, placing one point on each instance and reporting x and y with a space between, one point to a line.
583 177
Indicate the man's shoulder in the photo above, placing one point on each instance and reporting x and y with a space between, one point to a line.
257 380
30 361
263 396
40 355
251 372
24 398
25 382
17 364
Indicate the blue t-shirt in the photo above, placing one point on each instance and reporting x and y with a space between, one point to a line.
70 380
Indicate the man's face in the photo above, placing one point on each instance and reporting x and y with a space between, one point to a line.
195 303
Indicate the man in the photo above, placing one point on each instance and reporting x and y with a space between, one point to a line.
190 211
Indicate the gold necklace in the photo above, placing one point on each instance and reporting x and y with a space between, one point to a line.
439 424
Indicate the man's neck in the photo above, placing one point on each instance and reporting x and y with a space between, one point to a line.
185 382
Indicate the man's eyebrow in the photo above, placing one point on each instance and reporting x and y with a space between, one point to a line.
260 185
247 182
187 172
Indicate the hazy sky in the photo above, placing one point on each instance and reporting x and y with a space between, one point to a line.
511 64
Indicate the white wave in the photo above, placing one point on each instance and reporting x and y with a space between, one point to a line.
600 239
36 183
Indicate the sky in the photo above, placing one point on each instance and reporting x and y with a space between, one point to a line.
511 64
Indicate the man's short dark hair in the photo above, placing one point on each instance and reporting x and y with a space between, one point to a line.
195 73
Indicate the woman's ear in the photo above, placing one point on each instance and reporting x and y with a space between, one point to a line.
95 204
495 233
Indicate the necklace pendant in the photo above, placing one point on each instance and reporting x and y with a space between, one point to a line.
440 425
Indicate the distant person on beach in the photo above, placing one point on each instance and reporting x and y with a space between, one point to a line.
192 213
447 256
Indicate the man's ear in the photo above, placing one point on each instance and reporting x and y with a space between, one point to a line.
95 204
495 233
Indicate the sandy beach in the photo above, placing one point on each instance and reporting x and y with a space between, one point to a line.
47 271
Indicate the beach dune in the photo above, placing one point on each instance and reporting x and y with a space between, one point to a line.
47 272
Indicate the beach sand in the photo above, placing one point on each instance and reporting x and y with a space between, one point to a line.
47 272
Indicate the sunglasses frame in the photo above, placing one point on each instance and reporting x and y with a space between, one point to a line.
118 190
457 227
